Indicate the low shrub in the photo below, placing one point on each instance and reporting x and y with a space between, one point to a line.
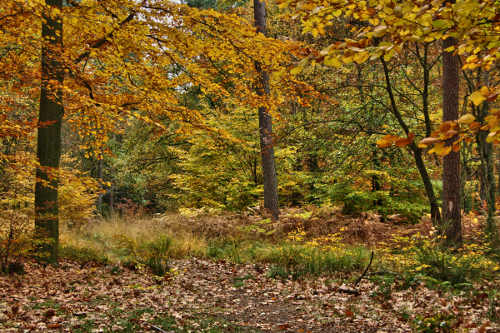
426 258
229 249
15 238
384 203
82 254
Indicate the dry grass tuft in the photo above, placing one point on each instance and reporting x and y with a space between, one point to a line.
118 238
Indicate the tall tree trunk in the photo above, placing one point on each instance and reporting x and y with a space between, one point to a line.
49 136
451 222
266 124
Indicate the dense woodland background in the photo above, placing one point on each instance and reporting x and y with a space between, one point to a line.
134 132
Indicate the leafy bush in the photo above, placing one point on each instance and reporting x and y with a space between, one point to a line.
424 256
77 195
15 237
411 210
382 202
77 198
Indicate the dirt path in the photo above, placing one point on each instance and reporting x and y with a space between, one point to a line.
211 297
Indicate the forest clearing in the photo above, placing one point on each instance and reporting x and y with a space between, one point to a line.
249 166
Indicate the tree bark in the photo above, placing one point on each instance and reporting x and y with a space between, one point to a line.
451 222
266 124
49 137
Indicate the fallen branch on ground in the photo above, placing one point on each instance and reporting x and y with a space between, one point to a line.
358 280
156 328
365 271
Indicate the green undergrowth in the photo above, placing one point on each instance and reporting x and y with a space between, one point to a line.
290 260
113 243
404 263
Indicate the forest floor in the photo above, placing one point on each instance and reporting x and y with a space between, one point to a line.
211 296
229 287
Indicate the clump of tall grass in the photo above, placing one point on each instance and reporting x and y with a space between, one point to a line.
298 260
130 242
291 259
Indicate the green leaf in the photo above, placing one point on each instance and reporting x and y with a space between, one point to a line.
441 24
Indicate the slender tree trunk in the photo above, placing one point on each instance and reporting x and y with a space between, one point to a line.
497 171
49 137
425 91
481 172
417 152
429 189
487 167
464 199
99 175
487 176
266 124
451 223
111 201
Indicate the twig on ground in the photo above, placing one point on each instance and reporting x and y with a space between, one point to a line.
156 328
355 291
364 272
348 291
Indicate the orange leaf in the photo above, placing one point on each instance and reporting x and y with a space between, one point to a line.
386 141
474 125
52 326
283 327
492 97
405 141
446 126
